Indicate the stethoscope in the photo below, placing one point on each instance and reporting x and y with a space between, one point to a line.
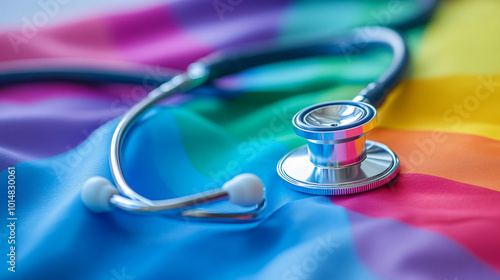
337 159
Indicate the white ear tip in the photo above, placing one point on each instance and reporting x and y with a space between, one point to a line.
245 190
96 193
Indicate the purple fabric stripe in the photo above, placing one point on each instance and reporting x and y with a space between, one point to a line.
36 130
397 251
235 21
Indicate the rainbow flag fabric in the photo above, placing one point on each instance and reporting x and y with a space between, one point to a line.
439 219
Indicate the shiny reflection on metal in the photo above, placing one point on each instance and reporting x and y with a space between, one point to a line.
334 115
181 207
337 154
251 215
335 121
379 167
335 131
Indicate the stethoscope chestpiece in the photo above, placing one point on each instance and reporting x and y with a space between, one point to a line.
337 159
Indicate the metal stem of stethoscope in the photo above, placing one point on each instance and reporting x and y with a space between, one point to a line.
179 83
125 198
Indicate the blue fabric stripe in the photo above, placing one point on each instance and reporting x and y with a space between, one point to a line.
54 223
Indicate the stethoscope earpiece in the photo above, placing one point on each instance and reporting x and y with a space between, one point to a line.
245 190
96 194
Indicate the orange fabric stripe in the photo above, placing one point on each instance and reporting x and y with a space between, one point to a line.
464 158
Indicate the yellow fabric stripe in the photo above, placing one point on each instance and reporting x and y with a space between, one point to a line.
463 104
462 38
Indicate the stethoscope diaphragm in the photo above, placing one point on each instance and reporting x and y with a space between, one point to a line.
337 159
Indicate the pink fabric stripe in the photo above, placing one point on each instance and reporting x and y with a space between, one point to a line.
88 38
154 37
465 213
149 36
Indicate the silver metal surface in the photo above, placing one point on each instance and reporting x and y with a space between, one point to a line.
335 121
335 131
379 167
251 215
164 206
178 83
180 207
337 154
334 115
